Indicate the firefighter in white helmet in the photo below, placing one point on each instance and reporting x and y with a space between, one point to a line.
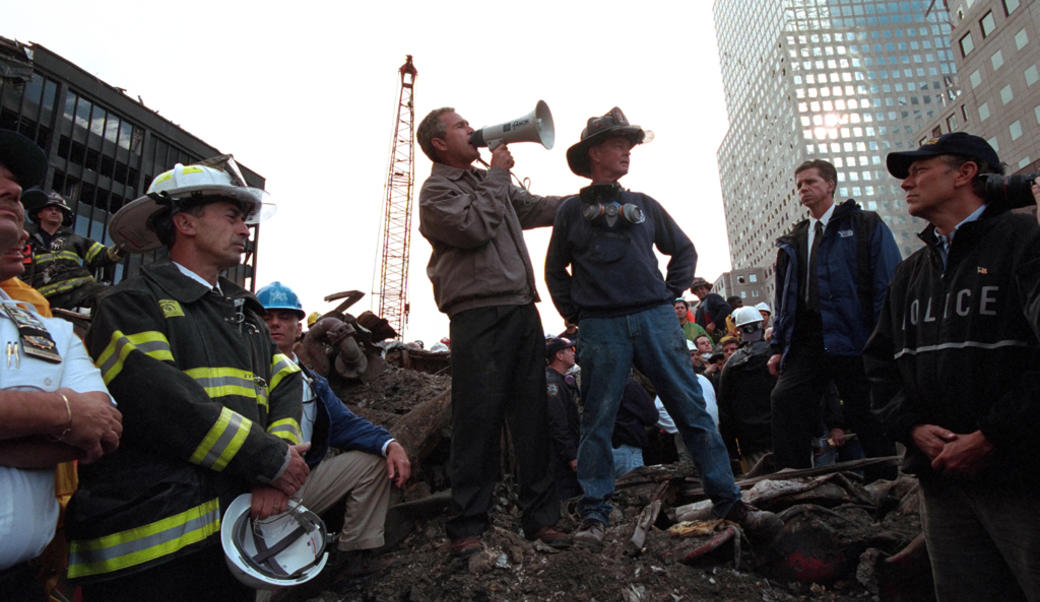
210 408
745 418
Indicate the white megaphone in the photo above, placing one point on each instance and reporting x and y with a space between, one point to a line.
536 126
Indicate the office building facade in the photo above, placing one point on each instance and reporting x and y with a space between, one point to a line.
750 284
997 52
103 147
846 81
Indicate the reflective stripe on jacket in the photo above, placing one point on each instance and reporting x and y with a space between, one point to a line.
209 408
66 263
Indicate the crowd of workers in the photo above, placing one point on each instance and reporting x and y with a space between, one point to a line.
196 428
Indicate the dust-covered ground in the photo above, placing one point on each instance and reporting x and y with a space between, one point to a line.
839 531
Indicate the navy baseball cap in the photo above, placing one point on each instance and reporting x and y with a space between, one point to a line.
556 344
956 143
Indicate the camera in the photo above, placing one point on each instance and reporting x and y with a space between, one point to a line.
1011 191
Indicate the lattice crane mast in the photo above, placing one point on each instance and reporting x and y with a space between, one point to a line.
397 209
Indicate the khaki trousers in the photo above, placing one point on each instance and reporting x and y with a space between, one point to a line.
361 477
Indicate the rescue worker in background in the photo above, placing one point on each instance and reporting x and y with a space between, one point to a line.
561 391
745 418
53 404
712 310
63 262
210 407
371 461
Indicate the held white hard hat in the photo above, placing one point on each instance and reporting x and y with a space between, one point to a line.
746 315
279 551
217 178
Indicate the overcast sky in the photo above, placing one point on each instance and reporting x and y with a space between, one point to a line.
305 93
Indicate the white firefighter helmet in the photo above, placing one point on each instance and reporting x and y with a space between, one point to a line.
217 178
279 551
746 315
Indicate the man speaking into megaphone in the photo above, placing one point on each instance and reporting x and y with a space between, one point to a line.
483 280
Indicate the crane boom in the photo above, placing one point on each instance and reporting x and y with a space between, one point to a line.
397 208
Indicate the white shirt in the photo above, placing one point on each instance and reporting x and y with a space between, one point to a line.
826 217
310 409
665 422
28 508
310 406
197 278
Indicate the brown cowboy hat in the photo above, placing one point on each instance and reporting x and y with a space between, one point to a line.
598 129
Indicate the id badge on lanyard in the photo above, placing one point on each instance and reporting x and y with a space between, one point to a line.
33 337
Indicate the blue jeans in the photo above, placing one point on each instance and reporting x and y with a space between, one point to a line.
653 340
626 458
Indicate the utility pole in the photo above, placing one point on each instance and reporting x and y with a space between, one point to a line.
397 209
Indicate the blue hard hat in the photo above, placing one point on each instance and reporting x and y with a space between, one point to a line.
278 296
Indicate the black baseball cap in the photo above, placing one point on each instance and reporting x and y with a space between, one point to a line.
956 143
556 344
26 161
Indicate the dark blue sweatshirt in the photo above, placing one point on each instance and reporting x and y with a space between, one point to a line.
613 269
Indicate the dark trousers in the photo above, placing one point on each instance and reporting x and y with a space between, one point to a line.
983 540
19 584
796 408
498 377
201 576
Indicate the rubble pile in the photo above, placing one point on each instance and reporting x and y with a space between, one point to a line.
840 540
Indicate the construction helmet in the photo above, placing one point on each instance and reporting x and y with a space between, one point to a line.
311 319
184 186
763 306
743 316
35 199
278 296
279 551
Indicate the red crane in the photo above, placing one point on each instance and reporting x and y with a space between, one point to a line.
397 209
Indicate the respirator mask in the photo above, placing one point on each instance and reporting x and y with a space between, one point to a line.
602 202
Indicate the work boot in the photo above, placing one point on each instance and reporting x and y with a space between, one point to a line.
552 537
590 534
466 546
759 525
359 563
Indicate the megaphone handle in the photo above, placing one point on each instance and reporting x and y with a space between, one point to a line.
493 144
525 183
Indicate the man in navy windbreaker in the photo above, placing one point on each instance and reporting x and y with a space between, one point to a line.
371 458
832 271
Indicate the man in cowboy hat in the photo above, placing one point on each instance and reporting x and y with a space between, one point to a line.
63 262
712 310
483 280
614 292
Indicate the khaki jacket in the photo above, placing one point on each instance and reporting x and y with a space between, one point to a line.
474 220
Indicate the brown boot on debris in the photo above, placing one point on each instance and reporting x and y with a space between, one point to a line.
759 525
359 563
590 534
552 537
